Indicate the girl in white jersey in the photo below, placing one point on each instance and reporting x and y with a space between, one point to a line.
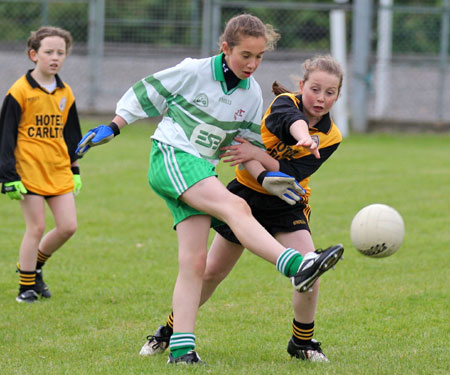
205 104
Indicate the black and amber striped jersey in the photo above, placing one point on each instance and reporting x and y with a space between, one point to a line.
295 161
39 132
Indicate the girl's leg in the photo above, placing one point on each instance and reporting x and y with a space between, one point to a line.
33 208
222 257
192 251
211 196
301 344
304 303
64 212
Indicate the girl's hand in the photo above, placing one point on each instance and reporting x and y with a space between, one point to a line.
307 142
300 131
240 153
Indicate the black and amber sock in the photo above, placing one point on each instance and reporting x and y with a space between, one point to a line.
302 333
169 324
41 259
27 280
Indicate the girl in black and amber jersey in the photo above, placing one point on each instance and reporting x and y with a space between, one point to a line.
39 131
300 135
291 123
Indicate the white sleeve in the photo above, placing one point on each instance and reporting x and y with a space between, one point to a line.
149 96
129 108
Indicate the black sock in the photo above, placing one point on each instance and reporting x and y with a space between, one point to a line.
41 259
169 325
302 333
27 280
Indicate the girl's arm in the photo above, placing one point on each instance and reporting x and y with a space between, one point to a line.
119 121
254 167
244 152
300 131
264 169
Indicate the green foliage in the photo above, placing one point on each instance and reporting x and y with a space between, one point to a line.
112 282
18 19
173 23
416 33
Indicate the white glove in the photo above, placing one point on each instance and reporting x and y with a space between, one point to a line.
281 185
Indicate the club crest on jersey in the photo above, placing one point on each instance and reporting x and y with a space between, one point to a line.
315 138
62 103
238 114
201 100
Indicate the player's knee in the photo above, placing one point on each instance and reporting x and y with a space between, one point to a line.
68 230
36 230
239 207
194 265
213 276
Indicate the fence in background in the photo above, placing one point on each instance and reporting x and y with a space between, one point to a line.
118 42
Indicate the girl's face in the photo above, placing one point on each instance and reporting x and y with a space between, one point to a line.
319 93
50 56
245 57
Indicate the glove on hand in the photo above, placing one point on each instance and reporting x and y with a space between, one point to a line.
14 190
281 185
97 136
77 184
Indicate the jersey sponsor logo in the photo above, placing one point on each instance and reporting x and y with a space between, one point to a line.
207 139
62 103
298 222
201 100
45 132
46 126
33 99
282 151
49 120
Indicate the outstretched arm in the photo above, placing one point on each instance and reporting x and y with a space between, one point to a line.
244 151
264 169
300 131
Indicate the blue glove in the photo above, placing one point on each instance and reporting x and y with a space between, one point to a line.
281 185
97 136
14 189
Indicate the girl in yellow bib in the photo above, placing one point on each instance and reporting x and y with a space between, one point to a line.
39 132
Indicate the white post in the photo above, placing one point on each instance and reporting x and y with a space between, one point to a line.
339 52
361 31
95 49
384 54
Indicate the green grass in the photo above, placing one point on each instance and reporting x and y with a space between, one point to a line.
112 282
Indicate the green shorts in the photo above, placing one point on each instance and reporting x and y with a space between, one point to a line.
173 171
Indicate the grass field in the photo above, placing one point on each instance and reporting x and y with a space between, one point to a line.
112 282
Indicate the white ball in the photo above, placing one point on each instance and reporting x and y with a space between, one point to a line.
377 231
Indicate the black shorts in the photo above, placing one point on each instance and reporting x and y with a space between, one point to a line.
273 214
29 192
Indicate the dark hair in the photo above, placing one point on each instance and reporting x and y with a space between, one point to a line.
248 25
34 41
323 63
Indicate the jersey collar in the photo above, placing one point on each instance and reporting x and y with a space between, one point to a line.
34 84
217 73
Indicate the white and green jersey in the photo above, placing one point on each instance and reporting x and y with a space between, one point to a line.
199 114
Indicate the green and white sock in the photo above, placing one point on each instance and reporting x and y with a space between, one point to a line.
181 343
288 262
